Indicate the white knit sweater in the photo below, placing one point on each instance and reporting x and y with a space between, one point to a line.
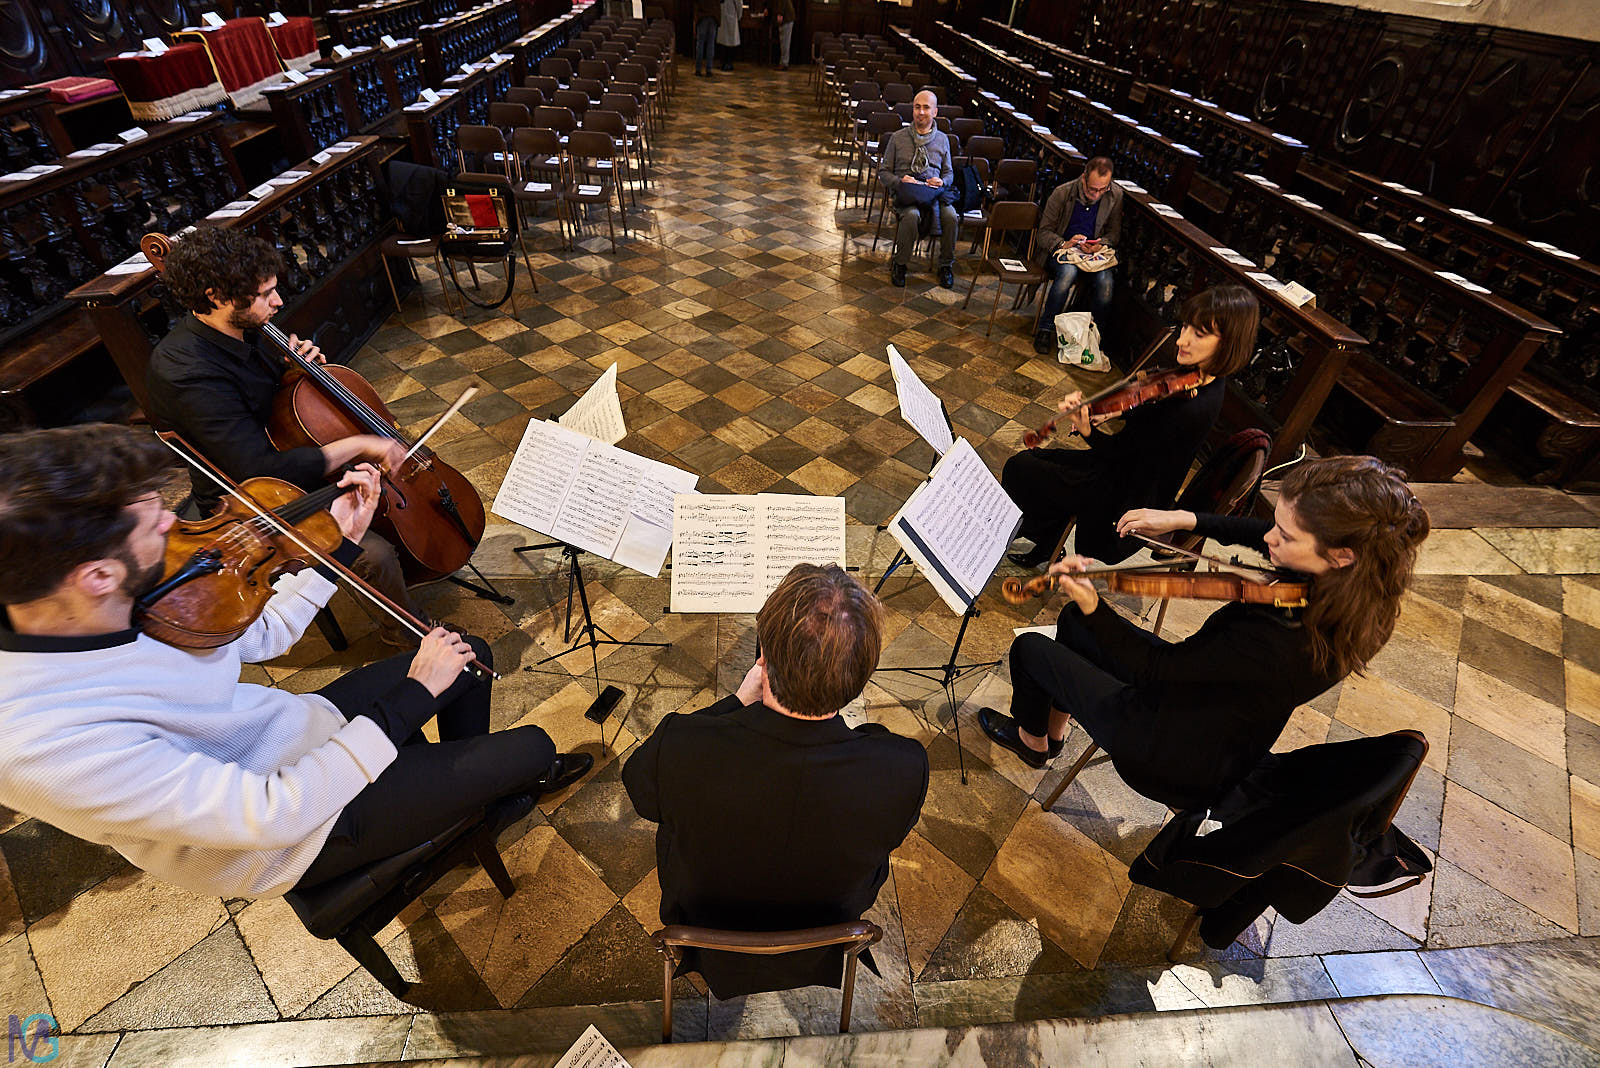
215 785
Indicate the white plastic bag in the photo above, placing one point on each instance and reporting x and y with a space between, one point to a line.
1078 341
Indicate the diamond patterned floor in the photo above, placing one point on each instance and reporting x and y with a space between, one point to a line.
748 317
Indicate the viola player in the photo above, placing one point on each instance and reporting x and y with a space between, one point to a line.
215 785
1142 465
211 380
1182 721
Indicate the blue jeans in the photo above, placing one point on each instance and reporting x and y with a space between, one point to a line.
1062 275
705 41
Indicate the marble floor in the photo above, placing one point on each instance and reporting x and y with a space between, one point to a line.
747 318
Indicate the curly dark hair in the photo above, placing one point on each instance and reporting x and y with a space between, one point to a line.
64 500
232 263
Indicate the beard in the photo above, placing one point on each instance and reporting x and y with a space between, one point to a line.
241 319
140 580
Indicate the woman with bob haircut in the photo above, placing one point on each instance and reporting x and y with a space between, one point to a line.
1183 721
1144 464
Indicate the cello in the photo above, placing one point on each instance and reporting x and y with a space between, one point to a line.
430 512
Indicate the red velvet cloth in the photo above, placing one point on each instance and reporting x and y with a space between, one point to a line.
295 38
68 90
243 53
180 69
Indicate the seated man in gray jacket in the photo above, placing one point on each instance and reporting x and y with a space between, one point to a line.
1086 212
917 157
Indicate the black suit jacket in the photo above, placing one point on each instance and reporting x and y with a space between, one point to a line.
771 823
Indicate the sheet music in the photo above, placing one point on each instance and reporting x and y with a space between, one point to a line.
588 493
956 526
919 406
598 413
730 551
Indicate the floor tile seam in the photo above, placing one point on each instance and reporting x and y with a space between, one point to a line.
1577 911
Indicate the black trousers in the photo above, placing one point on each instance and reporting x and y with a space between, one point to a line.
1065 673
1050 486
430 786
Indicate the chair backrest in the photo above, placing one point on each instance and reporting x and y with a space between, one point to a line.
597 69
574 99
545 83
1018 176
536 145
862 89
481 142
904 111
631 72
1006 215
1224 484
591 144
989 148
951 111
898 93
557 68
880 124
556 118
966 129
528 97
610 122
593 88
624 104
508 116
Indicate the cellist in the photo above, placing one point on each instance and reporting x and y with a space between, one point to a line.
211 381
216 785
1184 720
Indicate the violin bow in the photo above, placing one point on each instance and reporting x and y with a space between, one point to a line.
192 456
1253 572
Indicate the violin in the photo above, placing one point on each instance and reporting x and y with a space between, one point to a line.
1228 580
430 512
220 570
1123 396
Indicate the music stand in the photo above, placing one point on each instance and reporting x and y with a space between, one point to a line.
587 633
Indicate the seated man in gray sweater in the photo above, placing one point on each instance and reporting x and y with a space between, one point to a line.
215 785
916 168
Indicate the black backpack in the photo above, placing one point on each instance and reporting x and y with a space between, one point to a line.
969 189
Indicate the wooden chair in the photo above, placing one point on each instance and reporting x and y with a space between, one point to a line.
540 163
593 158
1008 216
612 122
855 935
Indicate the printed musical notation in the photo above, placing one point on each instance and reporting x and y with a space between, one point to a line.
730 552
603 499
957 524
598 413
920 407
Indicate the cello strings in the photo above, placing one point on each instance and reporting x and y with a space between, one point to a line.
375 424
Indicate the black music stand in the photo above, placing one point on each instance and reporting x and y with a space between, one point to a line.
589 631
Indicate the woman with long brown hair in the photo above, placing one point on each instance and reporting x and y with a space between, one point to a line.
1144 463
1184 720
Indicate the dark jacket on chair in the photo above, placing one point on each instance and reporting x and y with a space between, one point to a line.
772 823
1294 832
414 197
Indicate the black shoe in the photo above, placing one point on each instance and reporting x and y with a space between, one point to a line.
1056 745
947 276
1002 729
897 274
727 66
1044 342
1032 558
566 769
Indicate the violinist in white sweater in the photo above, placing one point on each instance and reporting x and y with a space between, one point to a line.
218 786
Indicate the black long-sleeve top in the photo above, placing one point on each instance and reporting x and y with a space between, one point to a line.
1142 466
217 392
1205 710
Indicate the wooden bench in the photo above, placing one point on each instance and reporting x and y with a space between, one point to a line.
1548 421
463 100
327 225
30 132
449 45
1226 140
1101 81
382 81
1432 335
68 226
996 69
368 24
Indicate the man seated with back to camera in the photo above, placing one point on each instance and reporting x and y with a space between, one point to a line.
774 814
918 176
1085 213
212 784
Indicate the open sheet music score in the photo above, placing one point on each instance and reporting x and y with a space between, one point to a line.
598 413
919 406
956 526
584 492
729 551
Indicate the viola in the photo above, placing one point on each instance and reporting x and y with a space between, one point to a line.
1227 580
430 512
1123 396
220 570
